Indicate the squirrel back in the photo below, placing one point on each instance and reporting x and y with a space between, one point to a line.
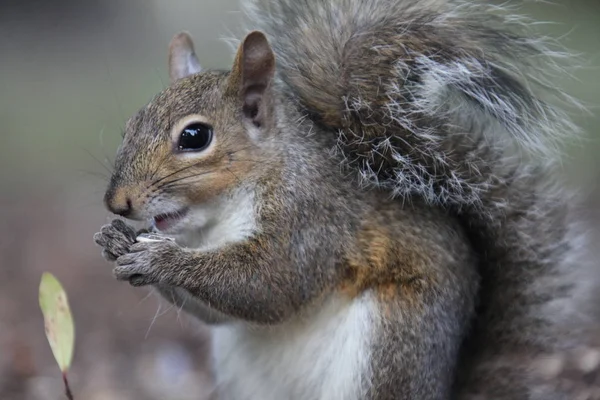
452 102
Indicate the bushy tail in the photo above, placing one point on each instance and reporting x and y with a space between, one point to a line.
427 96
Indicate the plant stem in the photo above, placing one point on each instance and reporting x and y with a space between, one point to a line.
67 388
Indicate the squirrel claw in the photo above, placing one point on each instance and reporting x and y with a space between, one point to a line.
138 280
142 265
115 239
135 274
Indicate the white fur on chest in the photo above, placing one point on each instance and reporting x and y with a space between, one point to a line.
229 220
323 356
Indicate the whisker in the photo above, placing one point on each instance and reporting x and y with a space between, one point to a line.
94 174
160 164
174 173
264 162
107 159
157 315
179 185
150 293
96 159
166 184
234 175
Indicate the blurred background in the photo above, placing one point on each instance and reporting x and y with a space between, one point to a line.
71 73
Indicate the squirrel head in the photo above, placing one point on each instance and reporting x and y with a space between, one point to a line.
202 137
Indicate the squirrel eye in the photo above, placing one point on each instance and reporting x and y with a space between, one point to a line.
195 137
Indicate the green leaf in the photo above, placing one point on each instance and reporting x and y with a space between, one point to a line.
58 321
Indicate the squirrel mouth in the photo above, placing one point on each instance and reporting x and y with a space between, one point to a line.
165 221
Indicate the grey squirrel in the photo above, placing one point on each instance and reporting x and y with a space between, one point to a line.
363 207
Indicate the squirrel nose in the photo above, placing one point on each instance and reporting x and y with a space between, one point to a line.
121 209
118 202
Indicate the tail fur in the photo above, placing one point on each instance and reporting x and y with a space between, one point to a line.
429 97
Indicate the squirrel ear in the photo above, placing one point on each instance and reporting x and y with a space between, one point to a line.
252 74
182 57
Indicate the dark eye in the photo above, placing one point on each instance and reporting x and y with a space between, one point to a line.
195 137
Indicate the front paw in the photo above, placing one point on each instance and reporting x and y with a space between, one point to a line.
115 239
149 263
